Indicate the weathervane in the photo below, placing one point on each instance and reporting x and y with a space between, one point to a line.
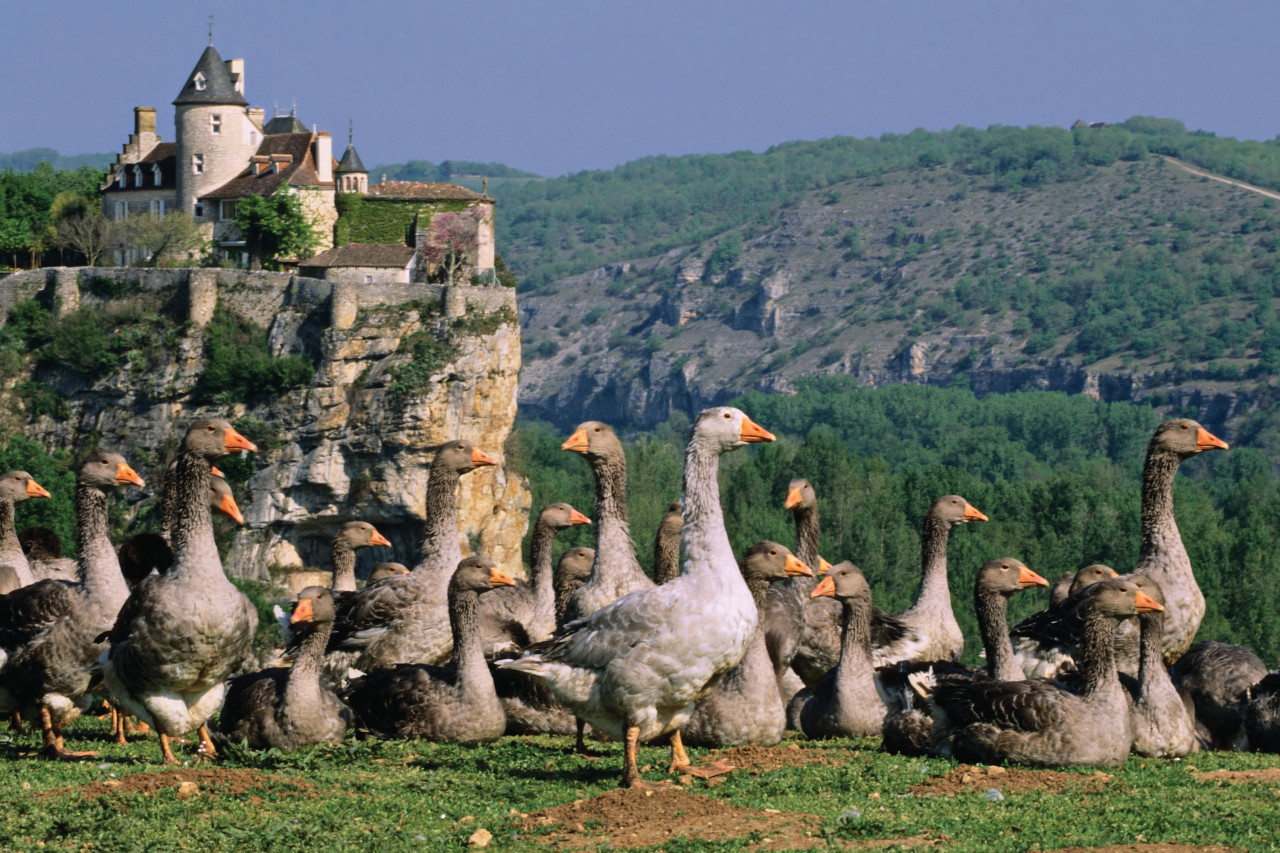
351 132
211 30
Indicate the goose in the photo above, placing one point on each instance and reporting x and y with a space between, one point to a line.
1262 715
745 706
145 553
47 672
1162 726
386 570
1217 678
43 549
666 545
1046 642
572 572
15 487
403 619
908 725
353 536
181 634
1039 722
635 668
287 707
458 704
516 616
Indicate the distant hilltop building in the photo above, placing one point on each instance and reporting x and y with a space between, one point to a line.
1090 125
226 151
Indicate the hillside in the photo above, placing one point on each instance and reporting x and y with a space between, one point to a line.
1129 280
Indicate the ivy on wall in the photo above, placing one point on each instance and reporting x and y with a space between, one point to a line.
369 220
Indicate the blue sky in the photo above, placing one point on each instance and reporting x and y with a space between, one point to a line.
558 86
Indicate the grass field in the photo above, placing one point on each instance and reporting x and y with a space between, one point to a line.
534 794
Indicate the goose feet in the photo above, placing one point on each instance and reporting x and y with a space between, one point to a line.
53 744
166 751
680 762
206 749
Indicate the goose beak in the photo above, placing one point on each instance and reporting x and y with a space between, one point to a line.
35 490
753 432
1114 573
378 539
479 457
497 579
793 499
302 612
1206 440
235 441
215 471
1028 578
1146 604
823 565
576 442
796 567
228 506
125 474
971 513
576 517
826 586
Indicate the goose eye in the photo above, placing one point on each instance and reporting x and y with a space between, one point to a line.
105 462
727 415
211 428
1184 426
597 429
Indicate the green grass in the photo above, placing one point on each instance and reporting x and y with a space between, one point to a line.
414 795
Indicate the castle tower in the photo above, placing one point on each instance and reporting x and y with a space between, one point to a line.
215 134
351 176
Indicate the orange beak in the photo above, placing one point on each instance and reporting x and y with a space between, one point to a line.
228 506
479 457
302 612
972 514
576 517
797 568
826 586
752 431
1028 578
125 474
1114 573
497 578
793 499
1206 440
235 441
35 490
823 566
1147 604
378 539
576 442
215 471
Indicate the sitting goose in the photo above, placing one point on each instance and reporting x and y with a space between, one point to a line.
666 544
635 668
15 487
47 671
1039 722
1161 723
1045 643
287 707
386 570
181 634
571 573
516 616
908 726
745 706
1217 677
458 704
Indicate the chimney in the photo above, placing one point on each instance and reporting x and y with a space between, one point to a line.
144 120
258 116
323 154
236 67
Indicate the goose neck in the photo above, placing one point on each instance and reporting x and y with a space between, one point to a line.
468 653
440 549
1151 650
98 567
855 639
344 565
933 558
1099 665
807 536
302 692
614 549
10 547
1158 523
759 589
195 551
544 536
706 543
993 624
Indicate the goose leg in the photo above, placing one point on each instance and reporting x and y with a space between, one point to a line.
206 749
53 745
16 725
165 750
630 766
580 745
680 762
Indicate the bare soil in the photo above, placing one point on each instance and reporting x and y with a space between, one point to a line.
1265 774
967 779
234 782
757 759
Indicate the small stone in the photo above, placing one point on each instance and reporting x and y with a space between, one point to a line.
514 813
466 819
648 793
993 770
772 811
717 781
874 795
110 783
686 779
794 746
187 790
993 795
966 779
480 838
646 768
578 827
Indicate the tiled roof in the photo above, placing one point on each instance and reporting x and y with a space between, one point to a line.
301 172
162 151
218 87
395 255
417 190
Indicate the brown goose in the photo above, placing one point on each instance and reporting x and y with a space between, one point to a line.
616 571
908 725
745 706
48 673
1039 722
571 572
403 619
288 707
143 554
353 536
1161 723
1045 643
15 487
1217 678
666 545
458 704
516 616
183 633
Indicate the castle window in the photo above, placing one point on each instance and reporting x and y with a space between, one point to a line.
199 211
197 164
215 123
227 209
198 80
157 209
122 211
156 175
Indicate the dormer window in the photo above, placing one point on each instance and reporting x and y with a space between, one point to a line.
215 123
155 174
199 81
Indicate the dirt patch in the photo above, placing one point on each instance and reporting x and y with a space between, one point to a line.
966 779
1264 774
755 759
1147 848
234 782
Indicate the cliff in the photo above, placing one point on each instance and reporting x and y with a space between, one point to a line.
355 442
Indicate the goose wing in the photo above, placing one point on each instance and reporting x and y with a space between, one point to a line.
1028 706
30 611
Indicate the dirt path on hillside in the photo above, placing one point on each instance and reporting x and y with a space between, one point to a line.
1233 182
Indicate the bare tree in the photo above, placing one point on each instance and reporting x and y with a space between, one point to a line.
88 232
156 239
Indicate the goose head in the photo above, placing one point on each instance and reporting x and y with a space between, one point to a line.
1184 438
387 570
770 561
315 604
1090 575
800 495
845 582
1117 599
595 440
222 500
105 471
362 534
19 486
461 457
953 510
560 516
726 428
40 543
213 438
478 574
575 564
672 520
1007 576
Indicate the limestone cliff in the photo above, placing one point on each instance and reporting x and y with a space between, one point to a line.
348 445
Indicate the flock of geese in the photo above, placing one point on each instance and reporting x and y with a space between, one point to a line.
714 650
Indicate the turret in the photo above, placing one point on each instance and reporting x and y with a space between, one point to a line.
215 135
351 176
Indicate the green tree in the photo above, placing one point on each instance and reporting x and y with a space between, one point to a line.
274 226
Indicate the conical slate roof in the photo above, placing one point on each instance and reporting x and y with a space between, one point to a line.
350 162
210 83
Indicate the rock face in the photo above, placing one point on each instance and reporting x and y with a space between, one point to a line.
348 445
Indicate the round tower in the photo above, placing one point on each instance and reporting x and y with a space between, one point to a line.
215 136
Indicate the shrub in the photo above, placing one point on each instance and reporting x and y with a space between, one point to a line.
427 354
239 366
